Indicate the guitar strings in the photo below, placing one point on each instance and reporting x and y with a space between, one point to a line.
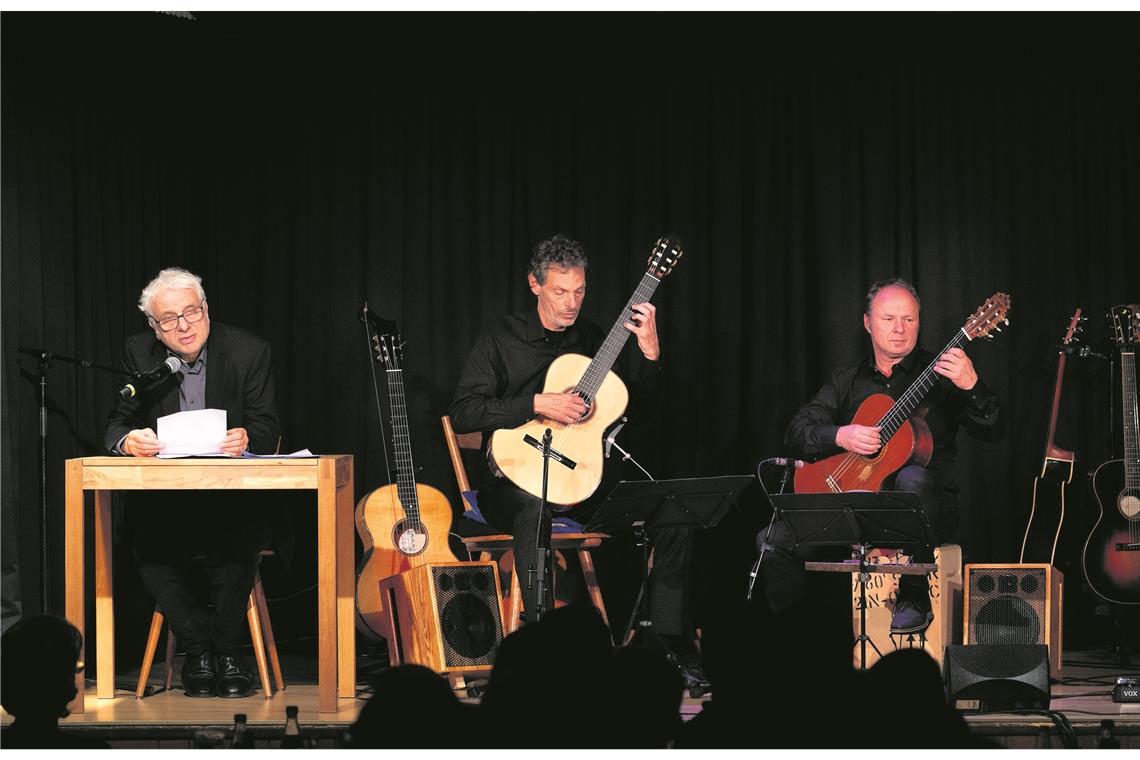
895 417
402 443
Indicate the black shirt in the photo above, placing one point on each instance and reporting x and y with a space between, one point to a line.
811 433
508 364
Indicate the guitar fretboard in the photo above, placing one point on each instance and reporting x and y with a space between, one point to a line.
1131 421
402 443
604 360
902 409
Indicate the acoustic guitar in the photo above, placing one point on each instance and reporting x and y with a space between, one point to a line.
402 525
905 438
576 464
1039 544
1111 557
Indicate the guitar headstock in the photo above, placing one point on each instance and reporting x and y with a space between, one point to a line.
383 339
665 255
988 316
1076 326
388 350
1124 323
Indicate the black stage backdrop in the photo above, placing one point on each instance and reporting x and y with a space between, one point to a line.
305 163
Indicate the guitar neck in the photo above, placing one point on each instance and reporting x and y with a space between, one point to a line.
402 443
604 360
902 409
1051 450
1131 420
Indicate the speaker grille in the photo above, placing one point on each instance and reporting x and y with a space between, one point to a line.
1007 606
468 614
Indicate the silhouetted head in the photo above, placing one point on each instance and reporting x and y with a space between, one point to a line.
40 656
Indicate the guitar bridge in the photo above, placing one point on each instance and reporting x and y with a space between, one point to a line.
1133 547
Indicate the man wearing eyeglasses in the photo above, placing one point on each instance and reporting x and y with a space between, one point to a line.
221 367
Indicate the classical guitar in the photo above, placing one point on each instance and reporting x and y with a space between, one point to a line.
576 465
401 525
904 435
1111 557
1039 544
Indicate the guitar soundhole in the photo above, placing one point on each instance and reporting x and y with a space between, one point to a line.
1129 504
589 404
410 538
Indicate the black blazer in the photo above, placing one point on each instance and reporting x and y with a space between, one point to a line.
239 379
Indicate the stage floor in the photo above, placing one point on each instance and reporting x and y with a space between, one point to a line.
172 720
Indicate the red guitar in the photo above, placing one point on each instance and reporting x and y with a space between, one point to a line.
1039 544
904 438
1111 558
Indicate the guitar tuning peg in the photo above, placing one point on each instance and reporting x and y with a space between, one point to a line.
1007 321
997 328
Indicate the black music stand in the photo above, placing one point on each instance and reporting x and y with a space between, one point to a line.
863 520
641 505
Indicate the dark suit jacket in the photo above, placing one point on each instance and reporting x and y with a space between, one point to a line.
239 379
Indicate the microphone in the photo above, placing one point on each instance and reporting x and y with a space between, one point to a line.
788 462
613 434
170 365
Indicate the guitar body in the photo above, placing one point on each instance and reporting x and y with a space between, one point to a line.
1047 510
845 471
393 543
1113 573
580 442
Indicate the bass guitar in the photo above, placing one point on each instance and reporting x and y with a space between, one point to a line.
1039 544
1111 557
402 525
576 467
905 438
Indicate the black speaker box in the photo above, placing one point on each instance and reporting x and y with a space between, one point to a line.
998 676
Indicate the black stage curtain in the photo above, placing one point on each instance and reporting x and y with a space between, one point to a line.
305 163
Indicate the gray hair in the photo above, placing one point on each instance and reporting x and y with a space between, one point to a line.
559 251
890 282
173 278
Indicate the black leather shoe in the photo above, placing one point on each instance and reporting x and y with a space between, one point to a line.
234 681
199 675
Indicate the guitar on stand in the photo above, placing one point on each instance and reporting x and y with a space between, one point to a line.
1039 544
905 438
577 448
401 525
1111 557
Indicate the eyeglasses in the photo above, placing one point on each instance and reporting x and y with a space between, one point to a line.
191 315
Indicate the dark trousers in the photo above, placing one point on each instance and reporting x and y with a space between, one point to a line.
782 567
197 554
510 508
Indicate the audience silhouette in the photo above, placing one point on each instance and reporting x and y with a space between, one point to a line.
37 680
412 707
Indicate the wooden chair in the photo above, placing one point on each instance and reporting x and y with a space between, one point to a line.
260 633
501 544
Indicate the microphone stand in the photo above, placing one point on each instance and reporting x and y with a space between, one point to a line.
45 358
538 576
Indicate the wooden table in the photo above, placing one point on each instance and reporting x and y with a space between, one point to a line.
330 476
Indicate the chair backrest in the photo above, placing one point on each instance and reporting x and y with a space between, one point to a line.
455 445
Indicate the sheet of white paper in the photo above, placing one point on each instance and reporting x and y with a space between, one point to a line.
196 433
302 454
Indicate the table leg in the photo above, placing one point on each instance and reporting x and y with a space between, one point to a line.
346 585
326 586
104 599
73 562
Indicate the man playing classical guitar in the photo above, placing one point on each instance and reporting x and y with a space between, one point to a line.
501 387
821 428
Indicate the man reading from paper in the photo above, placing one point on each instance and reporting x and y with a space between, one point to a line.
221 367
